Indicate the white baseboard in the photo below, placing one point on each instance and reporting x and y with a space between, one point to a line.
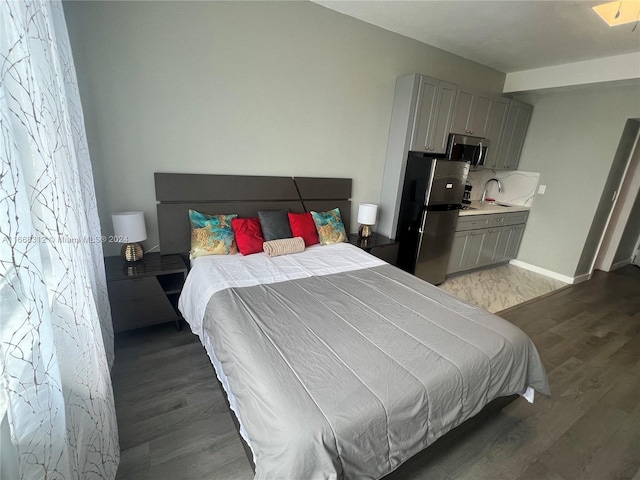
621 263
582 278
551 273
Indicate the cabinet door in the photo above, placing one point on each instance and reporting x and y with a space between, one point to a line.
519 132
497 118
513 135
457 252
460 123
488 248
471 114
505 138
479 117
444 113
515 239
424 123
501 246
433 115
473 249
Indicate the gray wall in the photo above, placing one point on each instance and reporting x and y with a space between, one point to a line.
572 140
263 88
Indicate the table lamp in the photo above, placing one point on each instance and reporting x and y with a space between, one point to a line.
129 228
366 218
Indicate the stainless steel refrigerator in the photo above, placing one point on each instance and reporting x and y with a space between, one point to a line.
431 198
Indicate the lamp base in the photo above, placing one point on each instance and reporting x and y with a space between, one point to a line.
132 252
364 231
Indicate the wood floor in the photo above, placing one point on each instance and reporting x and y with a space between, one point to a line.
174 423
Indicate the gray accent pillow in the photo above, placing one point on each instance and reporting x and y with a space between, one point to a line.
275 224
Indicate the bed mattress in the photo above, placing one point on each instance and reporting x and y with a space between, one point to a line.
348 373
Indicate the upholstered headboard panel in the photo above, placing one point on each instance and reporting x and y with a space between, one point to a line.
177 193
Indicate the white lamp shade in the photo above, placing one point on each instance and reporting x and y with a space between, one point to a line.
367 213
129 226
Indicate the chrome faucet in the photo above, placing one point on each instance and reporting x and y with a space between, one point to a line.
484 193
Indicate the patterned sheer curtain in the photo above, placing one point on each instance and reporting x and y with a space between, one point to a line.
56 341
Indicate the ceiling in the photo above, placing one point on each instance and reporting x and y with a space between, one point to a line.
509 36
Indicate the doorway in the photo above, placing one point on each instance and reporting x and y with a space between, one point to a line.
619 205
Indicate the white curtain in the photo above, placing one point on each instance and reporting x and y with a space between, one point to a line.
56 339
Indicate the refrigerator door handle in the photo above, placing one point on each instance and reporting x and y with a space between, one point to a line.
422 222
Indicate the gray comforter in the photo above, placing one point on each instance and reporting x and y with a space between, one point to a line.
348 375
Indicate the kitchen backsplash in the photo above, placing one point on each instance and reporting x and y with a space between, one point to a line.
518 187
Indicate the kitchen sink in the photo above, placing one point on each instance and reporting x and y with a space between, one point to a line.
498 204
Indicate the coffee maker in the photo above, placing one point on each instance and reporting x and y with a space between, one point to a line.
466 196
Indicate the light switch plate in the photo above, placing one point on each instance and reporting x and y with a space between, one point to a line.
542 189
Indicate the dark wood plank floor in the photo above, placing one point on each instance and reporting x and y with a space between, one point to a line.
174 423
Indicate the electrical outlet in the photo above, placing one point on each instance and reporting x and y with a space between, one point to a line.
542 189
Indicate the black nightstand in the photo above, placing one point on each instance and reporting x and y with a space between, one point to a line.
378 245
145 292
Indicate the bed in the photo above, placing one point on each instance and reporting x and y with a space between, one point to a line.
336 364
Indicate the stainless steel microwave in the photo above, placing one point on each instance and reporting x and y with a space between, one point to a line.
467 149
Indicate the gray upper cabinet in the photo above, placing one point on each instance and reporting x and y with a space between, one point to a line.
513 134
471 114
501 121
420 120
497 120
425 110
434 112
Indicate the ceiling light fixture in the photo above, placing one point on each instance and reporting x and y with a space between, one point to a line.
619 12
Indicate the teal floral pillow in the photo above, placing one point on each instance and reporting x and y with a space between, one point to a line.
211 235
330 227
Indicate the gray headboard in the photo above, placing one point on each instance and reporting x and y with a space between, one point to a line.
177 193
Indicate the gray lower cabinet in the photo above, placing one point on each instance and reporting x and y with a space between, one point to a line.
473 248
483 240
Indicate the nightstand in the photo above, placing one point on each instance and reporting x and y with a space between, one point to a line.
378 245
145 292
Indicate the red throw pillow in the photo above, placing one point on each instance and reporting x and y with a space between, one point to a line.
248 235
302 225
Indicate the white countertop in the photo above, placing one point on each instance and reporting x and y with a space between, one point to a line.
482 208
